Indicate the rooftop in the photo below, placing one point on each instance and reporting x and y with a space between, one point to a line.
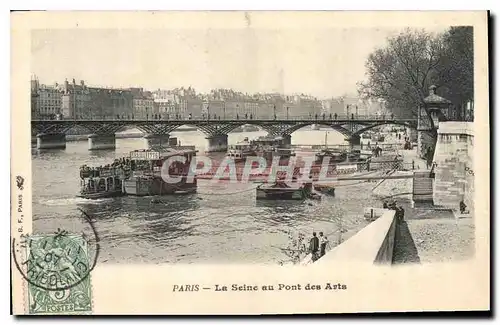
435 99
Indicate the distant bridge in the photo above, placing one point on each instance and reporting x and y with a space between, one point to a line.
349 127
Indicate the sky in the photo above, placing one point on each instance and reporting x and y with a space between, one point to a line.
320 62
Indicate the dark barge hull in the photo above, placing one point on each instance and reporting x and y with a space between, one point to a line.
280 194
100 195
157 187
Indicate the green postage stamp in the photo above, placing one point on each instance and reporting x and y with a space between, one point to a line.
58 274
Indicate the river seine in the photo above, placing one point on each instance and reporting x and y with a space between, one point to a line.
222 223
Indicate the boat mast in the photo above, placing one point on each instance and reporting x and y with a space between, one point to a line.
326 139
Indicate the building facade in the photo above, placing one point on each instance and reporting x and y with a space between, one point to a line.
143 104
46 100
178 103
82 102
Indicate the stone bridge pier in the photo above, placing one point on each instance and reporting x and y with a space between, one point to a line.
156 140
102 141
217 143
354 140
51 141
287 139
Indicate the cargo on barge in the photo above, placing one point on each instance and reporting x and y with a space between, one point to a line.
146 177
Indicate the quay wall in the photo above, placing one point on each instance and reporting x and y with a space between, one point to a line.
373 244
454 165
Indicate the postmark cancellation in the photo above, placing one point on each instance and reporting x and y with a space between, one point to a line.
57 270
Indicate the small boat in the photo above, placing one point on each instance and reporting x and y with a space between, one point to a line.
282 191
240 151
326 189
336 156
354 155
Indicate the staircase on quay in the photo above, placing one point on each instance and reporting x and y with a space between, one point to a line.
422 189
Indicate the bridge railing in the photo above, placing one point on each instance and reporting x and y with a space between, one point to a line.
348 147
318 118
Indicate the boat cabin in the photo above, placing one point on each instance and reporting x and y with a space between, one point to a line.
150 162
241 150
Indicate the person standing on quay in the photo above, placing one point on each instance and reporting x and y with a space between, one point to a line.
314 246
428 157
323 242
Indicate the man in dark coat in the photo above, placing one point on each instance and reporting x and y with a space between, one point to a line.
314 247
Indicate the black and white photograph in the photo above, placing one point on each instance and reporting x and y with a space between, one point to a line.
254 145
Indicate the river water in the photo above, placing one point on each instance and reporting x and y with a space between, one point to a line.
222 223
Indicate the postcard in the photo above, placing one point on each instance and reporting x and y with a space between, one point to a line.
208 163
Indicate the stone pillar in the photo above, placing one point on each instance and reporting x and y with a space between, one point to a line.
412 134
354 140
454 170
287 140
51 141
102 141
156 140
217 143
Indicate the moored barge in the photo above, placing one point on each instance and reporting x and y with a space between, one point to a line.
149 174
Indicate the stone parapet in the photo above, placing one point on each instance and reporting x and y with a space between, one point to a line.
373 244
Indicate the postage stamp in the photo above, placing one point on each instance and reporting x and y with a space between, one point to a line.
58 274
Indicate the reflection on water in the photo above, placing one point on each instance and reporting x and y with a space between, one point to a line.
222 223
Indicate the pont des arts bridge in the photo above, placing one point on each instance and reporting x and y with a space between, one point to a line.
51 134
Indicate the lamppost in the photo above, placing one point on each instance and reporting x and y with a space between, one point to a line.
224 108
287 112
356 111
274 112
347 110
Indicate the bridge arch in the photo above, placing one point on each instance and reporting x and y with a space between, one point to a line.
336 127
381 123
